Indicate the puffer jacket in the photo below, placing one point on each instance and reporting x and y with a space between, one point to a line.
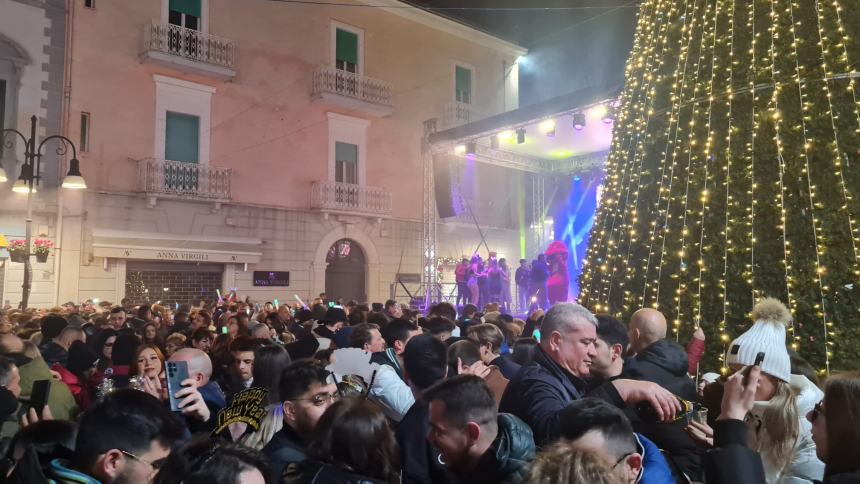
665 363
506 461
803 465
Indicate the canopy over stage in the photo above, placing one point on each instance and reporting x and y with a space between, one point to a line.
512 183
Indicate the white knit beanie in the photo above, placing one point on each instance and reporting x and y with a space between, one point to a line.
766 335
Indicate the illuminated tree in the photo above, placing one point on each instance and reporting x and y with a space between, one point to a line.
734 173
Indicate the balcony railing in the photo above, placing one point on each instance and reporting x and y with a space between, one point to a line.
178 45
332 196
457 113
356 90
177 179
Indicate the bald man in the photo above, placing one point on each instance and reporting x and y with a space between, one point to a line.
657 359
200 369
647 326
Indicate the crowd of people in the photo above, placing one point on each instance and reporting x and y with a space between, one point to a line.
480 282
357 393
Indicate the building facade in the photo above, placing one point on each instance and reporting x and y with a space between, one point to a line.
227 143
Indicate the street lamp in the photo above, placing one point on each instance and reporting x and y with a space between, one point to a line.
29 180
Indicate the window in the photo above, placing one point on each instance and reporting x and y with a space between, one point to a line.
182 140
90 3
84 144
185 13
346 50
463 84
2 108
346 163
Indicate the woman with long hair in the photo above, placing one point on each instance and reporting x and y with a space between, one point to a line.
269 363
103 346
777 427
340 450
150 336
836 428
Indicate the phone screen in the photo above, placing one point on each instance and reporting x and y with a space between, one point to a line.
39 395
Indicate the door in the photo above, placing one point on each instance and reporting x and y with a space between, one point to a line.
345 271
184 41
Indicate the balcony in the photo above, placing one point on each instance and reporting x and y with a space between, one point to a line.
189 51
184 181
349 199
352 91
456 113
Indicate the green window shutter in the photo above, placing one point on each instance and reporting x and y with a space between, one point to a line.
463 80
188 7
182 142
346 47
346 152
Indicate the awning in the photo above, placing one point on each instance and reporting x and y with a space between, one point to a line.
119 244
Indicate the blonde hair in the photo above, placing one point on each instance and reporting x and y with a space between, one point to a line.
781 422
562 463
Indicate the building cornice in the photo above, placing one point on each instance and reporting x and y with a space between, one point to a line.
432 20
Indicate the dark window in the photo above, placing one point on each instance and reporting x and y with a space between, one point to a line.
84 145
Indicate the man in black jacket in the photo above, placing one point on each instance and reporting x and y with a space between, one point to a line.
556 376
663 362
308 390
425 363
478 444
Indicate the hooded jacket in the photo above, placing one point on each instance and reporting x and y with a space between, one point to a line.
508 458
665 363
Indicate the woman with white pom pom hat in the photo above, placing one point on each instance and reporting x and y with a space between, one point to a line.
778 429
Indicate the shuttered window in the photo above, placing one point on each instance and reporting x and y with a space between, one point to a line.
346 162
463 84
346 50
182 141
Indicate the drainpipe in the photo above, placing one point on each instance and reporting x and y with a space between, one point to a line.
64 129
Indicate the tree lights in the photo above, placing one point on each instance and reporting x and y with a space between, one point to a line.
730 176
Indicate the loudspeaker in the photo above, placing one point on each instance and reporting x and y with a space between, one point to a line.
442 182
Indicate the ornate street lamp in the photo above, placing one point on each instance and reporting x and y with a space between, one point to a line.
29 180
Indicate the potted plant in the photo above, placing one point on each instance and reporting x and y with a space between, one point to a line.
17 250
42 247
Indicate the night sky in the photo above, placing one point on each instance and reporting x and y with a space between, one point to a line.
568 49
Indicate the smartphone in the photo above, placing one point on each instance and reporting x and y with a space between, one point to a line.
759 358
224 330
177 371
39 395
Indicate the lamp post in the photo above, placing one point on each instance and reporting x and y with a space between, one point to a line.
29 180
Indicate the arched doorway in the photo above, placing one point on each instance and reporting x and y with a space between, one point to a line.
345 271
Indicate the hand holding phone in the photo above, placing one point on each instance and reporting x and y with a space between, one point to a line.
176 372
759 358
40 394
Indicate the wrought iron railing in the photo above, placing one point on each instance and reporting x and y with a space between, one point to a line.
190 44
184 180
346 197
336 81
457 113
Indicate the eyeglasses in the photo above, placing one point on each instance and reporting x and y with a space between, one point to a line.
320 399
817 410
156 464
622 459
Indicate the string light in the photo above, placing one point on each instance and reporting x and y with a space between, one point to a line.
766 128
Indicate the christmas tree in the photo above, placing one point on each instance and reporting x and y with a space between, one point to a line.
734 174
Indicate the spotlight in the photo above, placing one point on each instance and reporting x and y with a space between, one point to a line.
507 136
548 127
579 121
460 149
470 148
521 136
609 115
